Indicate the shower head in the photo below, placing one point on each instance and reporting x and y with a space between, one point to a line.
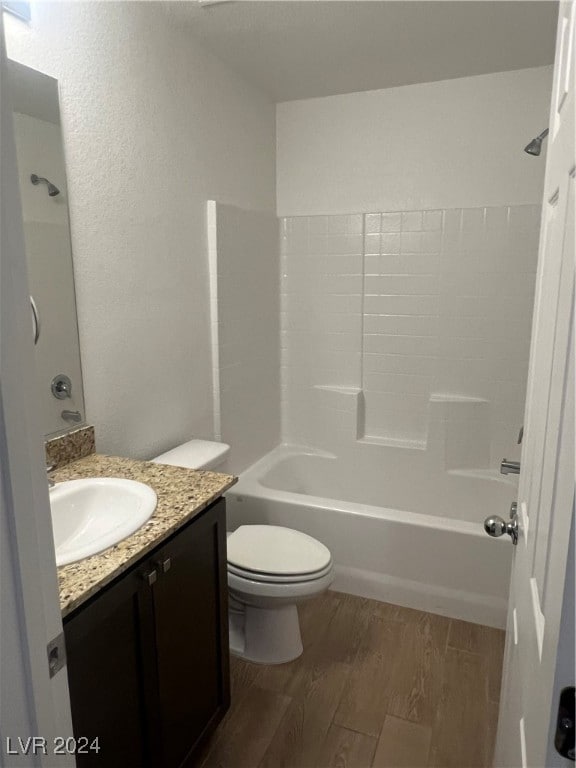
535 146
52 188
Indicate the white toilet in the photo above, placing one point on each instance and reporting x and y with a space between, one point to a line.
270 570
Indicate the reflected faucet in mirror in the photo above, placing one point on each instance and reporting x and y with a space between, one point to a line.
74 417
61 386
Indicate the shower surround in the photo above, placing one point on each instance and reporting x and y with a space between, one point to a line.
409 329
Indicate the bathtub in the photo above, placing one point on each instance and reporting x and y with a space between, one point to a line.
399 530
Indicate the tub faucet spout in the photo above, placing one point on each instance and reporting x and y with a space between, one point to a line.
72 416
509 467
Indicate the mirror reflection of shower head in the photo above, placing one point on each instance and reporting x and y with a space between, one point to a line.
535 146
52 189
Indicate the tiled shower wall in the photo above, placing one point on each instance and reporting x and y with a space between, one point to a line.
401 308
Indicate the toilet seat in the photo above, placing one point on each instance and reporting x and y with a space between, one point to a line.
272 594
272 578
272 553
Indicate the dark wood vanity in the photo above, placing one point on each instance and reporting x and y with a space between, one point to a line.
148 659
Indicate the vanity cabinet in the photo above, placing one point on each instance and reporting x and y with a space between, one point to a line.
148 663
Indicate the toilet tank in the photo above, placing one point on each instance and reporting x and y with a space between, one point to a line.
195 454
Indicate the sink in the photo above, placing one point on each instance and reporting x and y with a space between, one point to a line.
91 515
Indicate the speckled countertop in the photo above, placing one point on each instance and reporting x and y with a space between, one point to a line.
182 494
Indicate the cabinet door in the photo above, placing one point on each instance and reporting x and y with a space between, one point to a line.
191 620
108 644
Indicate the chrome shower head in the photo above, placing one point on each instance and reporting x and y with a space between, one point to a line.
535 146
52 188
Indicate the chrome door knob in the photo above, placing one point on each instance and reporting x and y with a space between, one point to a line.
496 526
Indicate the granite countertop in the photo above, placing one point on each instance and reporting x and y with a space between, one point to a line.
182 494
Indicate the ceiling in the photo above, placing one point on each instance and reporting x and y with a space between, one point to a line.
301 49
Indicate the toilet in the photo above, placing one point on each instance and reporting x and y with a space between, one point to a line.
270 570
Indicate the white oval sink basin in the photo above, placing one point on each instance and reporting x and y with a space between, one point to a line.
93 514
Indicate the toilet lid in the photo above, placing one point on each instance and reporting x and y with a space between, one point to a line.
275 550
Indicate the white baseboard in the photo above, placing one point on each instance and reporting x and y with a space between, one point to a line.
455 604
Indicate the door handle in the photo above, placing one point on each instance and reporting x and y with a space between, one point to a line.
150 577
163 565
496 526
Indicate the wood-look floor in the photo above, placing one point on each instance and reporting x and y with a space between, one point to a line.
378 686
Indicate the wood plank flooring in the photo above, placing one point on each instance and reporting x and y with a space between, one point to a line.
378 686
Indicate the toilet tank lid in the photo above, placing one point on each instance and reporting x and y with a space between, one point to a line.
195 454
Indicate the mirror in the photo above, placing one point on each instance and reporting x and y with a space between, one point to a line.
43 190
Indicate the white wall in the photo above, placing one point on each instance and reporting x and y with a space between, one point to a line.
245 284
153 126
449 144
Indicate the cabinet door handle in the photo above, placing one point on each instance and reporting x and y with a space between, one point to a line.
166 565
150 577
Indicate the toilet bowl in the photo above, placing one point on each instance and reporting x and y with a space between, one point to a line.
270 570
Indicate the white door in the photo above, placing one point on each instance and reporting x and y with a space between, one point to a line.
546 491
32 704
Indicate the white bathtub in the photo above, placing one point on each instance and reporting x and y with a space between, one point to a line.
399 530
